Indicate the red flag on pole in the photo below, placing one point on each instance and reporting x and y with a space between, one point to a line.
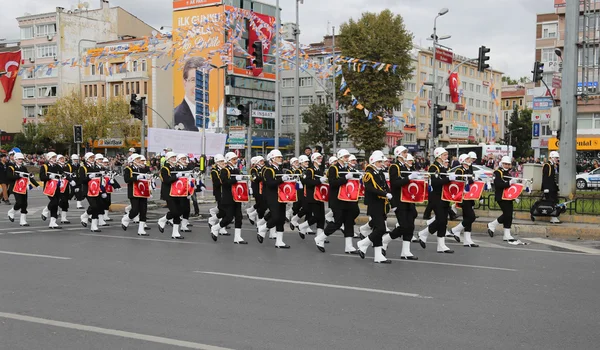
453 85
9 63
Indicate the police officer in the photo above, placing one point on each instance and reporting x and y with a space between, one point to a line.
550 181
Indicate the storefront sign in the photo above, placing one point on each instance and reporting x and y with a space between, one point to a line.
583 144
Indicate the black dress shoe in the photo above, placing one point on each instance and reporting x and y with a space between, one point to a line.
352 253
362 255
147 228
56 227
321 249
282 246
43 217
65 222
224 234
326 241
240 242
449 251
143 234
180 237
214 238
491 233
124 227
84 224
302 235
383 262
292 226
190 224
161 229
409 258
188 230
259 238
456 238
96 230
472 245
11 219
24 225
423 244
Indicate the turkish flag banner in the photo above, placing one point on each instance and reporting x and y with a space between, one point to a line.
20 185
179 188
64 184
321 193
9 63
475 191
50 187
264 28
108 187
512 193
94 187
239 191
453 191
349 191
414 192
453 85
286 192
141 189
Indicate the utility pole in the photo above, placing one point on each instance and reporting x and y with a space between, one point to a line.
335 112
143 134
249 136
568 124
277 64
297 80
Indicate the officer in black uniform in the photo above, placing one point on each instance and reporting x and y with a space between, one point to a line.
168 176
51 171
550 181
503 180
313 176
468 215
88 171
215 176
16 171
139 206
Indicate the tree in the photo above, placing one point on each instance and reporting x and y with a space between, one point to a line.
379 38
511 81
520 128
316 119
99 118
32 140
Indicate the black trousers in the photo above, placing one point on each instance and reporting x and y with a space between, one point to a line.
342 216
53 205
221 212
376 211
277 217
20 202
468 214
79 195
174 205
232 211
63 201
195 203
139 206
507 213
316 214
428 210
406 221
185 207
106 202
96 206
440 209
260 206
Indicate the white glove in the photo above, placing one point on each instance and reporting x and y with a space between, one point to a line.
77 190
386 175
513 181
546 191
285 178
73 183
91 176
300 186
179 174
517 200
393 209
52 176
389 196
103 195
413 176
323 180
349 176
452 177
112 182
239 177
249 191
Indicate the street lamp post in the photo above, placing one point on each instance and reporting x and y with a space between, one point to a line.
297 80
218 97
434 37
277 74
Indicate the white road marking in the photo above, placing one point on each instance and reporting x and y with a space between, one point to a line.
36 255
436 263
145 239
112 332
306 283
565 245
22 227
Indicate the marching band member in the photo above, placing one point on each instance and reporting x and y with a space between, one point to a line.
467 205
75 190
256 213
300 207
68 175
183 165
109 186
271 195
352 163
501 181
168 176
342 211
550 181
377 196
313 176
150 177
329 217
129 163
16 172
51 171
216 213
87 172
139 206
230 175
289 213
440 207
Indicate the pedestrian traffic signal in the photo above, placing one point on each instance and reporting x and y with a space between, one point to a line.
245 113
137 107
483 58
77 134
258 54
538 71
438 127
330 125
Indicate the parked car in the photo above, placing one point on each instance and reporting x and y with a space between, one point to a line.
587 180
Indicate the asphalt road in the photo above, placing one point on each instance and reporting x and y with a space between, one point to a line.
72 289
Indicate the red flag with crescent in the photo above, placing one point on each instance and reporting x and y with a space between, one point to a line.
20 186
50 188
239 191
453 85
94 187
64 184
321 193
9 63
453 191
108 187
141 189
179 188
414 192
475 191
512 193
349 191
287 192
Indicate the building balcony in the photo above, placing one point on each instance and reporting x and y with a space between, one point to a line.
93 79
137 75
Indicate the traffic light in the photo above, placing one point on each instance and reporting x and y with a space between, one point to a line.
77 134
438 127
538 71
258 54
483 58
137 107
245 113
330 125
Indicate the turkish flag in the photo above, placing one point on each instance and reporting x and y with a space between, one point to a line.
108 187
512 193
286 192
261 29
141 189
64 184
239 191
20 186
453 191
321 193
414 192
453 85
179 188
475 191
50 187
94 187
9 63
349 191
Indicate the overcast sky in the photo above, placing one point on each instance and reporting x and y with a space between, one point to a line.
507 27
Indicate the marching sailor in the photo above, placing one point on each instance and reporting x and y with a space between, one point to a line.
90 172
50 175
313 176
19 183
75 190
109 186
502 180
184 202
67 171
132 174
256 213
468 213
215 175
550 181
169 176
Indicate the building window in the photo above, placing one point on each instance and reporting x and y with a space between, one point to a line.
455 115
134 66
464 86
28 54
145 88
287 101
478 103
409 138
287 82
287 119
43 110
103 90
548 55
137 87
85 91
26 33
423 59
93 69
29 111
545 130
478 88
422 93
471 86
306 100
549 30
127 92
117 90
410 87
422 111
47 91
471 102
46 29
95 90
144 67
28 74
471 72
44 51
423 76
306 82
485 104
29 92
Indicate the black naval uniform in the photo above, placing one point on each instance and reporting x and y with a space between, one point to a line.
270 193
468 213
96 206
215 176
550 181
232 209
501 182
405 212
13 175
168 176
316 211
440 207
45 176
376 190
343 212
139 206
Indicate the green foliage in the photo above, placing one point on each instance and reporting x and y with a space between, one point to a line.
511 81
520 126
375 37
32 139
316 119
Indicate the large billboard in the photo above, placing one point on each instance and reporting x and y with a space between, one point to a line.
200 34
